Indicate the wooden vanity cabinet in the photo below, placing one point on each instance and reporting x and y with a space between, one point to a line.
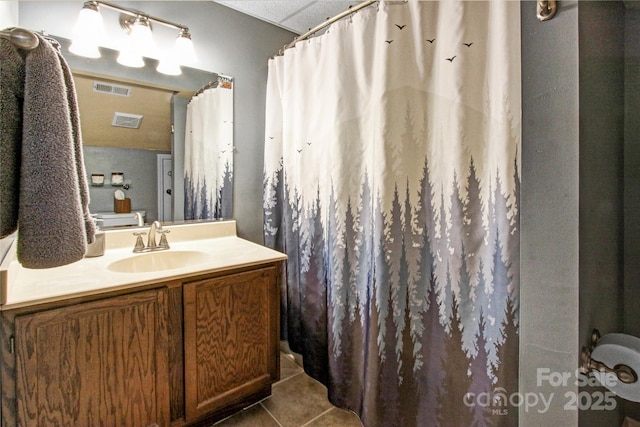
231 338
179 353
96 363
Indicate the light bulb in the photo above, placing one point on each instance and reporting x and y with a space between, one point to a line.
138 42
184 51
168 65
141 37
88 31
84 48
129 57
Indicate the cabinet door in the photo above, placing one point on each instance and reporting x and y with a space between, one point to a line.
231 339
101 363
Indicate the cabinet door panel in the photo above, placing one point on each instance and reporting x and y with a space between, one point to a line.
231 338
97 363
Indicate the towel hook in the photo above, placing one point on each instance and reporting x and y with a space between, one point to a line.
21 38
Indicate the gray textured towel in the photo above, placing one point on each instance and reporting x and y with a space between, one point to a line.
11 98
74 115
54 225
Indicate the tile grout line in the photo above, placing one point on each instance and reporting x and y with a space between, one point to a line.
288 378
275 385
271 415
316 417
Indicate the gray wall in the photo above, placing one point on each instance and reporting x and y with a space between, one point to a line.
227 42
632 181
572 195
549 200
139 168
632 173
601 49
601 78
8 14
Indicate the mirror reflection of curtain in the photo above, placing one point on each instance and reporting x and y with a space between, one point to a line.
208 157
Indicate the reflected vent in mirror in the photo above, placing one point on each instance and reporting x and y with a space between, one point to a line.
111 89
125 120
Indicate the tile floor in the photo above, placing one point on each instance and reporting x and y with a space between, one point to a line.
296 400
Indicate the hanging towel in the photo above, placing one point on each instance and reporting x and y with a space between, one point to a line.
54 225
74 115
11 98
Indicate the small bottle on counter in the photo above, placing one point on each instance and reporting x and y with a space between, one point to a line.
96 248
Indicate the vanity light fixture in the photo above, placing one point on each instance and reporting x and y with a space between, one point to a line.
88 34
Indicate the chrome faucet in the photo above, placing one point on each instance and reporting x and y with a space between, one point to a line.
151 246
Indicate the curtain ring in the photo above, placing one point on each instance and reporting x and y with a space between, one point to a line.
546 9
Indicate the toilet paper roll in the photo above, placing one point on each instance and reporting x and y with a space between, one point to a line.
615 349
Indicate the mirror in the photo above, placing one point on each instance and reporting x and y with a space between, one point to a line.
146 145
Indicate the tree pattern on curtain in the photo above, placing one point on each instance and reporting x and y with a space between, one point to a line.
209 148
402 281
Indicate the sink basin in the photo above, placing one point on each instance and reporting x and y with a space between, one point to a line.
158 261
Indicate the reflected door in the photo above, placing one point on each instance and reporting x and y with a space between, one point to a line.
165 187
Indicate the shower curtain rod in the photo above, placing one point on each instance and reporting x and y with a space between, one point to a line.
328 22
546 9
220 80
210 85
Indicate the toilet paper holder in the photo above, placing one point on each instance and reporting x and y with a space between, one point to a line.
623 372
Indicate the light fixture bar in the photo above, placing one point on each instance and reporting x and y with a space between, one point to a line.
135 13
139 42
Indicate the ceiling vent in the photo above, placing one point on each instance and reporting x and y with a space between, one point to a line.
111 89
124 120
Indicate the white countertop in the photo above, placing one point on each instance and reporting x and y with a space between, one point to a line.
20 287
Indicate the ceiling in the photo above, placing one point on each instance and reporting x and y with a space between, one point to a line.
298 16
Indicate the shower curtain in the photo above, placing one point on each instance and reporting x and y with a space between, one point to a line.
391 181
208 153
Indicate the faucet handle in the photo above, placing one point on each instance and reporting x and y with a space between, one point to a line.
139 246
163 239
